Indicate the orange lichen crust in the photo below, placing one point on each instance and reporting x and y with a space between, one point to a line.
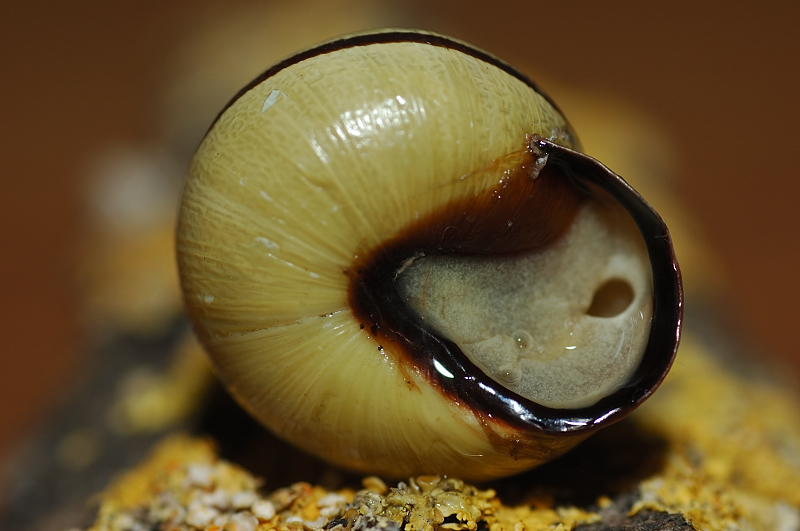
729 458
733 460
185 486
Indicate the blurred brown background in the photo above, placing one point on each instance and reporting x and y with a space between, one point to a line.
721 77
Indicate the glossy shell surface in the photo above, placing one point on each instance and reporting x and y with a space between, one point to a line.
345 165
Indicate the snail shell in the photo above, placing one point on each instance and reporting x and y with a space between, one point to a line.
399 261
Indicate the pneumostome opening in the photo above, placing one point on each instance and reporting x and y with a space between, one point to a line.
611 299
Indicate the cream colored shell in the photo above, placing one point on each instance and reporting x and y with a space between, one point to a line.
308 169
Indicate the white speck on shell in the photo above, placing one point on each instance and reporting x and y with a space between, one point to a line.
271 99
269 244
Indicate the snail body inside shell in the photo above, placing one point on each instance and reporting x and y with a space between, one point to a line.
398 261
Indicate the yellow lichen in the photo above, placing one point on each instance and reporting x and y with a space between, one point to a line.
733 458
148 401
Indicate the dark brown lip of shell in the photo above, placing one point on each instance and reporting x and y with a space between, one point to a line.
376 303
